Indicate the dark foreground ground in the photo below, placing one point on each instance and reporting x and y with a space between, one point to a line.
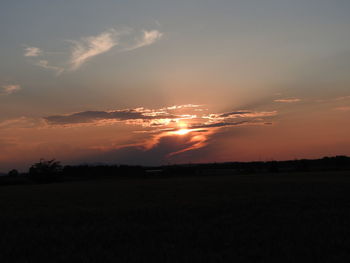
248 218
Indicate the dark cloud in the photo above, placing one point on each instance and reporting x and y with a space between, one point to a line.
160 153
239 114
172 149
233 113
230 124
92 116
220 124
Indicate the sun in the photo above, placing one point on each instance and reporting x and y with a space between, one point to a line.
182 131
182 128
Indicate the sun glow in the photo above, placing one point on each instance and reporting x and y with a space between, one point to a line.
182 128
182 131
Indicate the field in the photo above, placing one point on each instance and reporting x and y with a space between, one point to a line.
245 218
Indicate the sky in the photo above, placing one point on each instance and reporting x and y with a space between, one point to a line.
156 82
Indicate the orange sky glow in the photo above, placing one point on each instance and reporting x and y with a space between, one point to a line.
166 82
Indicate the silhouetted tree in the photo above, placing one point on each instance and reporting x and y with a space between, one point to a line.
13 172
45 171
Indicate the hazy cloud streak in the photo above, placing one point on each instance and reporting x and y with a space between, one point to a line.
148 38
290 100
344 108
32 52
22 122
45 64
90 47
9 89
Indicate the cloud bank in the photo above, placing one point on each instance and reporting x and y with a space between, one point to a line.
166 124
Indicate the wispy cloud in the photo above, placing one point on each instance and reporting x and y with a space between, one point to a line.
343 98
22 122
148 38
45 64
86 48
185 106
32 52
9 89
89 47
344 108
289 100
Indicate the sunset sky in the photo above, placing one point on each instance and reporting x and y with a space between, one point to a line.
158 82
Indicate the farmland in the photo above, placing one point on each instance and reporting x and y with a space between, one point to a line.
244 218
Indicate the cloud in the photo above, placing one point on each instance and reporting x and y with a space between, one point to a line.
215 117
234 114
171 118
117 115
165 148
148 38
92 46
21 122
45 64
290 100
163 134
86 48
219 124
344 108
229 124
185 106
32 52
343 98
9 89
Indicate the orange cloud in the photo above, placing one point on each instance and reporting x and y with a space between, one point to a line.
290 100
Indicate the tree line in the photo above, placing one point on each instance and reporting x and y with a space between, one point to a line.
46 171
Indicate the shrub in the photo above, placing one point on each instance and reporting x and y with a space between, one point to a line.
13 172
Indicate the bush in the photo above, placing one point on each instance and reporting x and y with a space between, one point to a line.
46 171
13 173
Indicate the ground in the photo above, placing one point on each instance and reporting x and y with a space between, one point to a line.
241 218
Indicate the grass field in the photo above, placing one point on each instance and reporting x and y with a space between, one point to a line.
248 218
